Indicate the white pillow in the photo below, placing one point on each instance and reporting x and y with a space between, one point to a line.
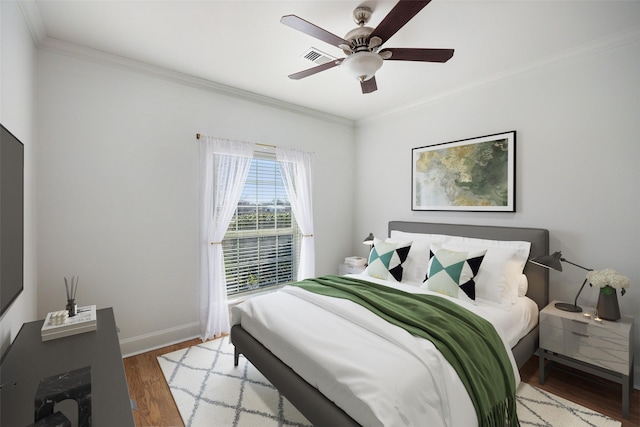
499 276
523 285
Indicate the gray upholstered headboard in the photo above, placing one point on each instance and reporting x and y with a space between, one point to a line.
538 277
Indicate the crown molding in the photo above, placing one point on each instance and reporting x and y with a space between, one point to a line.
93 55
43 42
579 53
33 19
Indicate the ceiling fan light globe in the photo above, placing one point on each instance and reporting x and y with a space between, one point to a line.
362 65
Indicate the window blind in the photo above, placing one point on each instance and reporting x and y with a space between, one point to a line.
262 242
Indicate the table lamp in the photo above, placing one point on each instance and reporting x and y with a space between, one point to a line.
554 261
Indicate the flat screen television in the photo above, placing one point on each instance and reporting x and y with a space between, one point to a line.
11 218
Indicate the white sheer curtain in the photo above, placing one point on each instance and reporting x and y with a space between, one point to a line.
224 166
296 167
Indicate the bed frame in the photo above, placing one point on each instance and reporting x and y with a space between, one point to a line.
321 411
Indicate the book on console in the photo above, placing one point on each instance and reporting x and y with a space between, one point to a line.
84 321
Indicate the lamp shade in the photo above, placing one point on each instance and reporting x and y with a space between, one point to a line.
554 261
368 240
549 261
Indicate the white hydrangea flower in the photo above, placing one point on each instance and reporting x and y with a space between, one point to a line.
608 277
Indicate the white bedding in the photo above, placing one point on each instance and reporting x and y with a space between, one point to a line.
376 372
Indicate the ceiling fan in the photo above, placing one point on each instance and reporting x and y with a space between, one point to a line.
362 45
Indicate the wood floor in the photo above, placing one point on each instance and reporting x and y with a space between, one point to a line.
157 408
148 388
587 390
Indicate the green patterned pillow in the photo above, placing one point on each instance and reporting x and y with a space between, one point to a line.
386 259
451 271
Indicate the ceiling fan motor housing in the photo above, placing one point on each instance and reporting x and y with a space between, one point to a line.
358 39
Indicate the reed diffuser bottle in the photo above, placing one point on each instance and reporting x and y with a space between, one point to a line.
72 307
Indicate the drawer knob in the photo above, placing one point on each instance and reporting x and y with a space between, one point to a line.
580 335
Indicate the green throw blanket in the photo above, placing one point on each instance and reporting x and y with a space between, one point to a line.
469 343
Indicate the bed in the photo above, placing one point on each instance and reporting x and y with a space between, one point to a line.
322 411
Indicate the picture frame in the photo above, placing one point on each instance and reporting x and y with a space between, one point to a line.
474 175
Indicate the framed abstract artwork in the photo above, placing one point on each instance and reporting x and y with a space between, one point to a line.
476 174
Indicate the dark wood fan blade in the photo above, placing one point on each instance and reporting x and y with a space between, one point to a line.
369 86
401 13
306 27
425 55
311 71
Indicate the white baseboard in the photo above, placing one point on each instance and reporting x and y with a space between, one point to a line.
154 340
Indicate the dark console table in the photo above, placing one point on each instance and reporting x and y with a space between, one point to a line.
29 360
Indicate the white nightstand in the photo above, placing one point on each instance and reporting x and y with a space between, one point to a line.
348 269
604 349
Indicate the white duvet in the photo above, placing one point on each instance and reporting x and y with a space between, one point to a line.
376 372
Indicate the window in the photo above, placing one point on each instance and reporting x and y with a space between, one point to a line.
262 242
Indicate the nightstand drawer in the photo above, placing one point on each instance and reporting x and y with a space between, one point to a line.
607 352
601 345
580 328
350 269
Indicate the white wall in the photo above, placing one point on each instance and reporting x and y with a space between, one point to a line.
17 113
118 189
578 145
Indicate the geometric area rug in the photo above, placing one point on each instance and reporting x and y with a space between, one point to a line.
210 391
540 408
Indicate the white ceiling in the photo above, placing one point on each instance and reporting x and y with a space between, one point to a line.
242 44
